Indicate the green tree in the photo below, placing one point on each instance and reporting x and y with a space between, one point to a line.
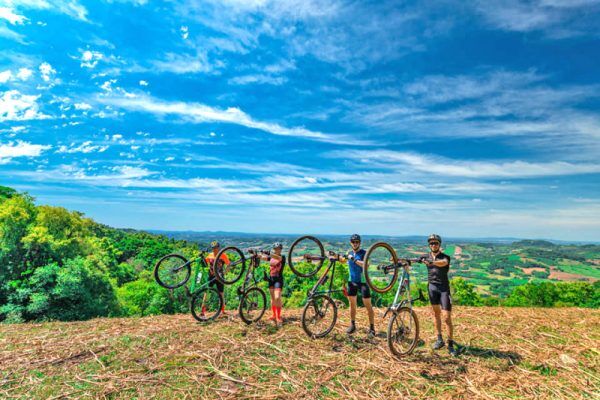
464 294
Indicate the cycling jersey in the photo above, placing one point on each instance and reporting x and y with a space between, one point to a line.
275 266
356 272
210 259
438 275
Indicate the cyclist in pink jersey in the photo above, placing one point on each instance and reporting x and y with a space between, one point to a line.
275 278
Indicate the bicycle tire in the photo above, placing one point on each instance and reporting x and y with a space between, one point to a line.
392 332
371 276
206 310
161 269
229 274
313 304
247 305
296 268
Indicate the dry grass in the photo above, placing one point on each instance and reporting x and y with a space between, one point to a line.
509 353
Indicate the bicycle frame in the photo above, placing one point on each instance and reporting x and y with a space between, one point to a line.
199 278
250 280
313 292
403 289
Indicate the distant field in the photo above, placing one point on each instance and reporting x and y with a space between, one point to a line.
510 353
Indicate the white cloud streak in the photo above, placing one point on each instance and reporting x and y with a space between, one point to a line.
201 113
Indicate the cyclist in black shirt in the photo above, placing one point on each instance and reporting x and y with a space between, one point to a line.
438 265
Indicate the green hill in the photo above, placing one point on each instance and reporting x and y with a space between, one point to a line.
60 265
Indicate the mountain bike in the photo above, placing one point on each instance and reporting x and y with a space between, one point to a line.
381 272
174 270
253 301
320 312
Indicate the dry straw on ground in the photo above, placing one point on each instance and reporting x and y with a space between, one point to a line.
509 353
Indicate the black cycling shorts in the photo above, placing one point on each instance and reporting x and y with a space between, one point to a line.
215 282
439 295
276 282
353 289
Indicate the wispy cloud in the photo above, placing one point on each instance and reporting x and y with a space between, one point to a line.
469 169
556 18
201 113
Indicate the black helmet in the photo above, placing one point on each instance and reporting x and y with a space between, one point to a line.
214 244
355 237
277 245
433 238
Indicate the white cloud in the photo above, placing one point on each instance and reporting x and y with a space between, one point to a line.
46 71
200 113
9 15
182 64
90 58
143 83
5 76
82 106
556 18
24 74
85 147
258 79
15 106
184 30
441 166
20 149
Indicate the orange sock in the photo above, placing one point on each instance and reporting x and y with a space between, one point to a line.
274 316
278 310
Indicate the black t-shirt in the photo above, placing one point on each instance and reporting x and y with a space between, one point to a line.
436 275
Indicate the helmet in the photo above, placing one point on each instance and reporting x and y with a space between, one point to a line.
214 244
355 237
277 245
434 237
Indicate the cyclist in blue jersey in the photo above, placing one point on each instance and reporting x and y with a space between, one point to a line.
355 258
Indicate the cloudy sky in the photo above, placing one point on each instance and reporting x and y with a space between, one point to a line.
465 118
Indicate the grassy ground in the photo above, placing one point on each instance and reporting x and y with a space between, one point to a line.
509 353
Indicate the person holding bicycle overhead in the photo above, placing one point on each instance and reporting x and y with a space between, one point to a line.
275 279
210 260
438 265
355 258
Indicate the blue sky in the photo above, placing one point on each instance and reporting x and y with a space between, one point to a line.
464 118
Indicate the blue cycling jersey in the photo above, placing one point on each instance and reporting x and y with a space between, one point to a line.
356 272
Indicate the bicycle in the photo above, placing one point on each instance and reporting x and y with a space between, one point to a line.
253 300
174 270
381 272
319 305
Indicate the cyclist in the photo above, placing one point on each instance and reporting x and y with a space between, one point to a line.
210 260
275 279
355 258
438 265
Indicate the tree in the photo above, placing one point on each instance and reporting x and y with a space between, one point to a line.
464 294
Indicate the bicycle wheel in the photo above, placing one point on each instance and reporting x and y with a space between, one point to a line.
403 332
319 316
229 265
306 256
172 271
379 256
253 305
206 304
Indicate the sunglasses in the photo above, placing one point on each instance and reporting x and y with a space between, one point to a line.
434 244
355 241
